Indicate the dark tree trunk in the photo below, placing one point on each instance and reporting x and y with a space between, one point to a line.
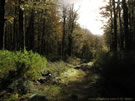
120 24
115 27
70 45
30 32
2 13
63 37
133 12
126 29
64 32
71 23
70 39
15 27
111 44
21 33
43 35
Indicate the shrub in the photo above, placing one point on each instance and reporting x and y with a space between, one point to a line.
7 63
15 65
10 97
34 64
22 86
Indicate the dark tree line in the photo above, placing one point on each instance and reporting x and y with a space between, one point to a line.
27 24
121 24
116 68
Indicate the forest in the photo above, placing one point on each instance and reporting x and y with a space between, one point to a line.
46 55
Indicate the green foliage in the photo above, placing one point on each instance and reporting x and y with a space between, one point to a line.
7 62
10 97
57 67
53 93
34 63
44 27
25 63
22 86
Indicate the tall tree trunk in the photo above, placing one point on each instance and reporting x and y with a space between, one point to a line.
111 44
133 12
2 13
21 33
70 39
120 24
64 31
115 27
70 44
71 23
43 36
126 29
15 27
30 32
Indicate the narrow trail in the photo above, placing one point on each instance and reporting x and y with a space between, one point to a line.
83 89
80 89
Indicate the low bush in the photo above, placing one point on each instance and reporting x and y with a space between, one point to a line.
10 97
34 64
15 65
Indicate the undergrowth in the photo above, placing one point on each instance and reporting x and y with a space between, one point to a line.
116 70
31 64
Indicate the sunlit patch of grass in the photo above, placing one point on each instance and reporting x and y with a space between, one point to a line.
72 75
53 92
90 63
57 67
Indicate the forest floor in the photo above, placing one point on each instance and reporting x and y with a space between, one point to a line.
84 86
76 84
62 81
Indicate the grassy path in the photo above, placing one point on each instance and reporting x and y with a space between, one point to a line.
76 83
80 83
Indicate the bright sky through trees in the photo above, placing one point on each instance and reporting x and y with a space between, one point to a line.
89 14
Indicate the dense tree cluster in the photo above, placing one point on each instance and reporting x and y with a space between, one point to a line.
44 27
116 67
120 34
